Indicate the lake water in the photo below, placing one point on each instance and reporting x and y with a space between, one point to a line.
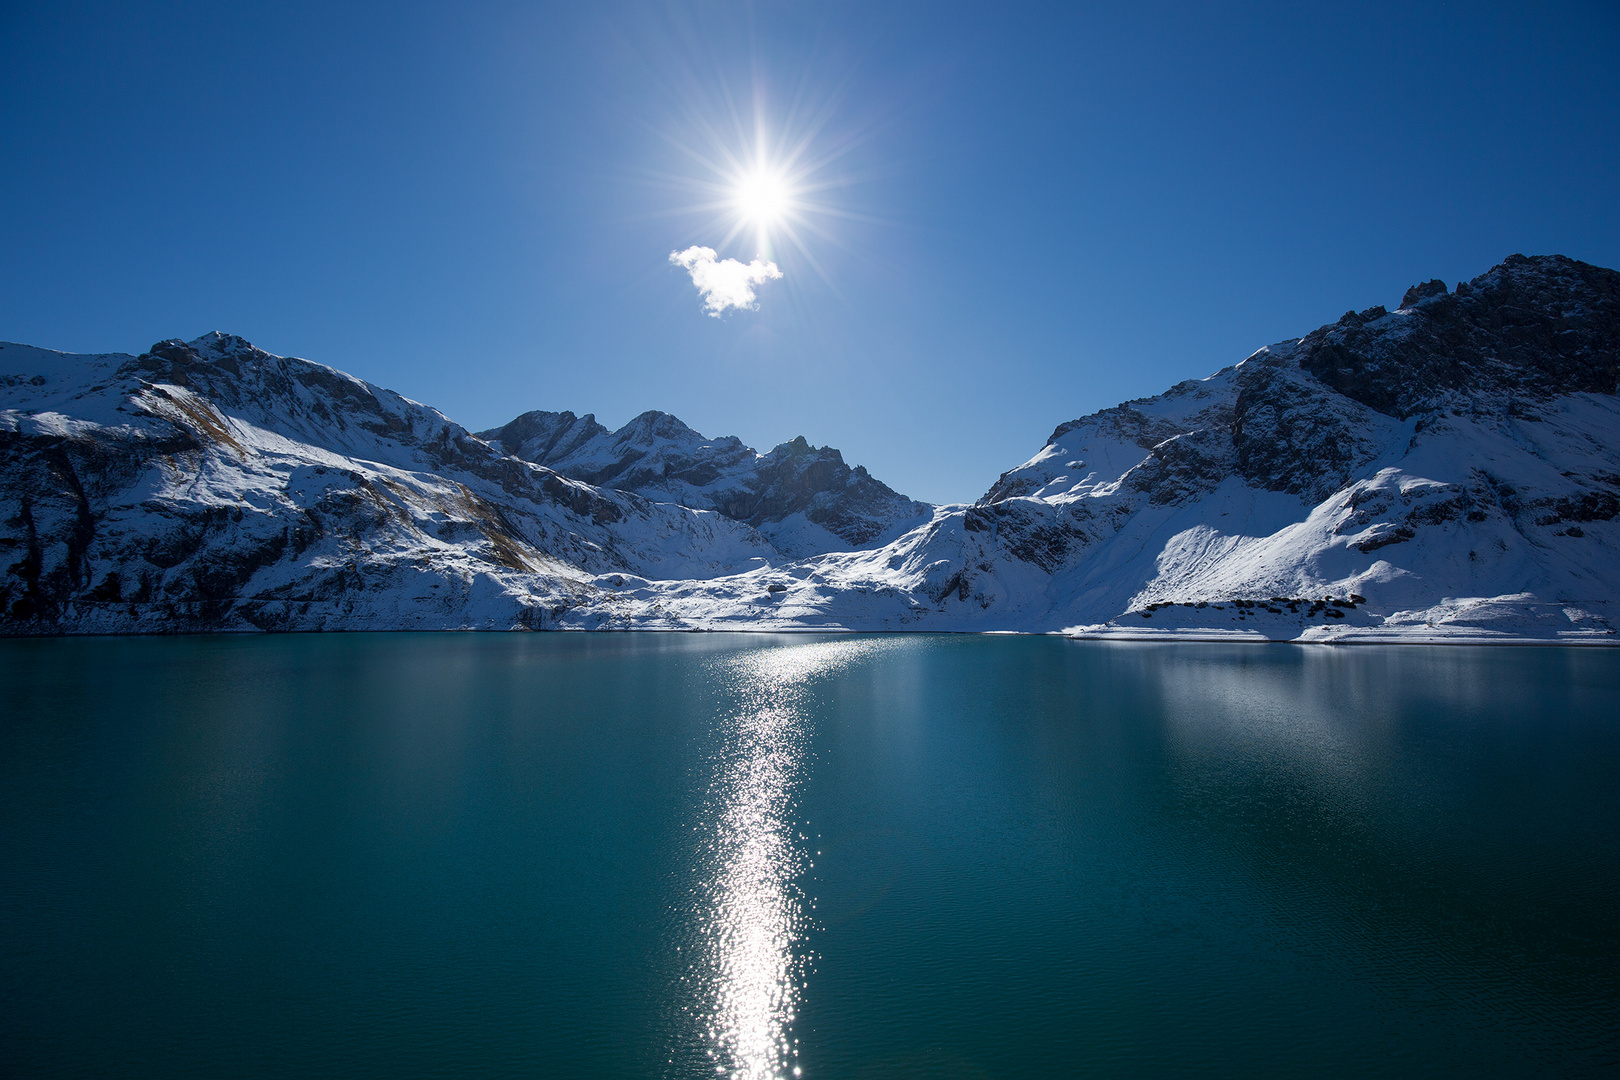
685 855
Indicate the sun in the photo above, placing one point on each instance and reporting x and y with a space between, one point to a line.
763 198
766 190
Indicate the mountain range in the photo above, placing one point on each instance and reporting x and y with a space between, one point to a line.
1446 471
803 499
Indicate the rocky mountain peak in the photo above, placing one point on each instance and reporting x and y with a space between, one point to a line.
1303 416
659 457
799 446
541 436
1425 291
171 360
1533 326
652 426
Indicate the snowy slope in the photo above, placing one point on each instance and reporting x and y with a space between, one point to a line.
1445 471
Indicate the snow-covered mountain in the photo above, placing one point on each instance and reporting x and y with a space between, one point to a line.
1446 471
803 498
211 484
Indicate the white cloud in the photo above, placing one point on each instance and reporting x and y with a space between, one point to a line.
726 283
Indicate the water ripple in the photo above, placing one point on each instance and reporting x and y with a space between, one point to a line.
752 916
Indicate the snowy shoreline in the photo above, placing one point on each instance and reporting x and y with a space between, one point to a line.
1579 640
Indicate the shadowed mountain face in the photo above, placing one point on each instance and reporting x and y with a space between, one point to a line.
804 498
1536 327
1449 470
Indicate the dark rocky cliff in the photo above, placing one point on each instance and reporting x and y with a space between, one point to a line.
1531 326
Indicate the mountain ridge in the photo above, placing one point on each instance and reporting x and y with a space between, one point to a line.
804 498
1443 472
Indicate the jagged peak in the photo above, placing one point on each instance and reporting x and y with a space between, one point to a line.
1543 277
535 416
214 343
219 339
656 424
1427 290
800 447
539 432
1520 269
212 346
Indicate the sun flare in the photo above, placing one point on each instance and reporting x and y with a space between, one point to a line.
765 195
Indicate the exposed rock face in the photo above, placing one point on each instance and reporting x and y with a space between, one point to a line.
1531 326
544 437
1447 470
804 498
1426 291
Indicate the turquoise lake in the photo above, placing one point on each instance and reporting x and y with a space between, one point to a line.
701 855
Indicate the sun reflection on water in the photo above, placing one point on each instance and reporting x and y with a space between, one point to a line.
754 914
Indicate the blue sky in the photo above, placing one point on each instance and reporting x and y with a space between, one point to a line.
1028 212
